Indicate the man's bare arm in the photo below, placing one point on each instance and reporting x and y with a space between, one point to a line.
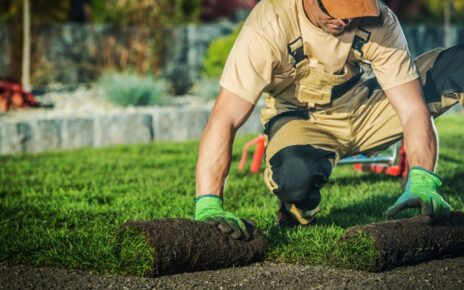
421 148
229 113
420 138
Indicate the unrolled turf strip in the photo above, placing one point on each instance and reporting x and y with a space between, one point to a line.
412 240
180 245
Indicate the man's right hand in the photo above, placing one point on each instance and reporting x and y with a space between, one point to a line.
209 208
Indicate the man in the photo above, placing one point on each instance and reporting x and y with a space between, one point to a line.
341 81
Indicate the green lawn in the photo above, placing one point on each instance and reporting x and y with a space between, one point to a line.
64 208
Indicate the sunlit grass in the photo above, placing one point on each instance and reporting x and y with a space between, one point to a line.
64 208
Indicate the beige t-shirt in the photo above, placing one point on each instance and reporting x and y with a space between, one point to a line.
259 59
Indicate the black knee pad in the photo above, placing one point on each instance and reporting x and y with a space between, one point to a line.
447 74
300 171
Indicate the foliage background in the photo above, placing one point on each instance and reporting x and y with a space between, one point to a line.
153 18
145 51
217 53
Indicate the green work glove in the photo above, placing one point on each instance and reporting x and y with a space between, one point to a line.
421 191
209 208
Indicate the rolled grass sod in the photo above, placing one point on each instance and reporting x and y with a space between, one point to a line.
411 240
180 245
135 252
65 209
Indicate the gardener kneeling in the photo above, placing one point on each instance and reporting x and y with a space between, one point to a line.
340 81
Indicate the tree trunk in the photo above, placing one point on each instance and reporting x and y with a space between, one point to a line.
26 66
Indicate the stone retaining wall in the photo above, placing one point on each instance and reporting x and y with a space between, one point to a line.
43 133
39 132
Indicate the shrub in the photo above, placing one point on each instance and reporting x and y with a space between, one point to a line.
217 53
127 89
180 80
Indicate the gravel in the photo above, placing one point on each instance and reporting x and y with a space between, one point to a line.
88 101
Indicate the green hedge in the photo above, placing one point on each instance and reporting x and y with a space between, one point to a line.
217 54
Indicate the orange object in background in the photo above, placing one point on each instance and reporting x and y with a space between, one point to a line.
13 96
260 143
399 170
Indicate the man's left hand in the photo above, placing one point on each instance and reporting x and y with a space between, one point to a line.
421 191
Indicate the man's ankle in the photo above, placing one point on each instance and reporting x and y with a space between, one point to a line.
304 217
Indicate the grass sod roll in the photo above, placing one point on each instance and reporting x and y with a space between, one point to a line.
411 240
181 245
136 256
358 254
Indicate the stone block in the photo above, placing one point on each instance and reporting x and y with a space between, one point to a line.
78 132
178 124
123 128
47 134
16 137
253 124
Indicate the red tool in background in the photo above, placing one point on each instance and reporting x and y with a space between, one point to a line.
260 143
400 169
395 165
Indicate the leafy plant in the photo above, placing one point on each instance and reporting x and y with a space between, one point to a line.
217 53
126 89
437 6
428 11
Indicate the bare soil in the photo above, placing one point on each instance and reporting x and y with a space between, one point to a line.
438 274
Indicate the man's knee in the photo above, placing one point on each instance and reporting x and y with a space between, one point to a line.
446 76
442 74
299 172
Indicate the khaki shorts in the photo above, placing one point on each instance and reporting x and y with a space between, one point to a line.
361 121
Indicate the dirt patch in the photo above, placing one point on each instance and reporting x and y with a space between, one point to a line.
181 245
439 274
413 240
